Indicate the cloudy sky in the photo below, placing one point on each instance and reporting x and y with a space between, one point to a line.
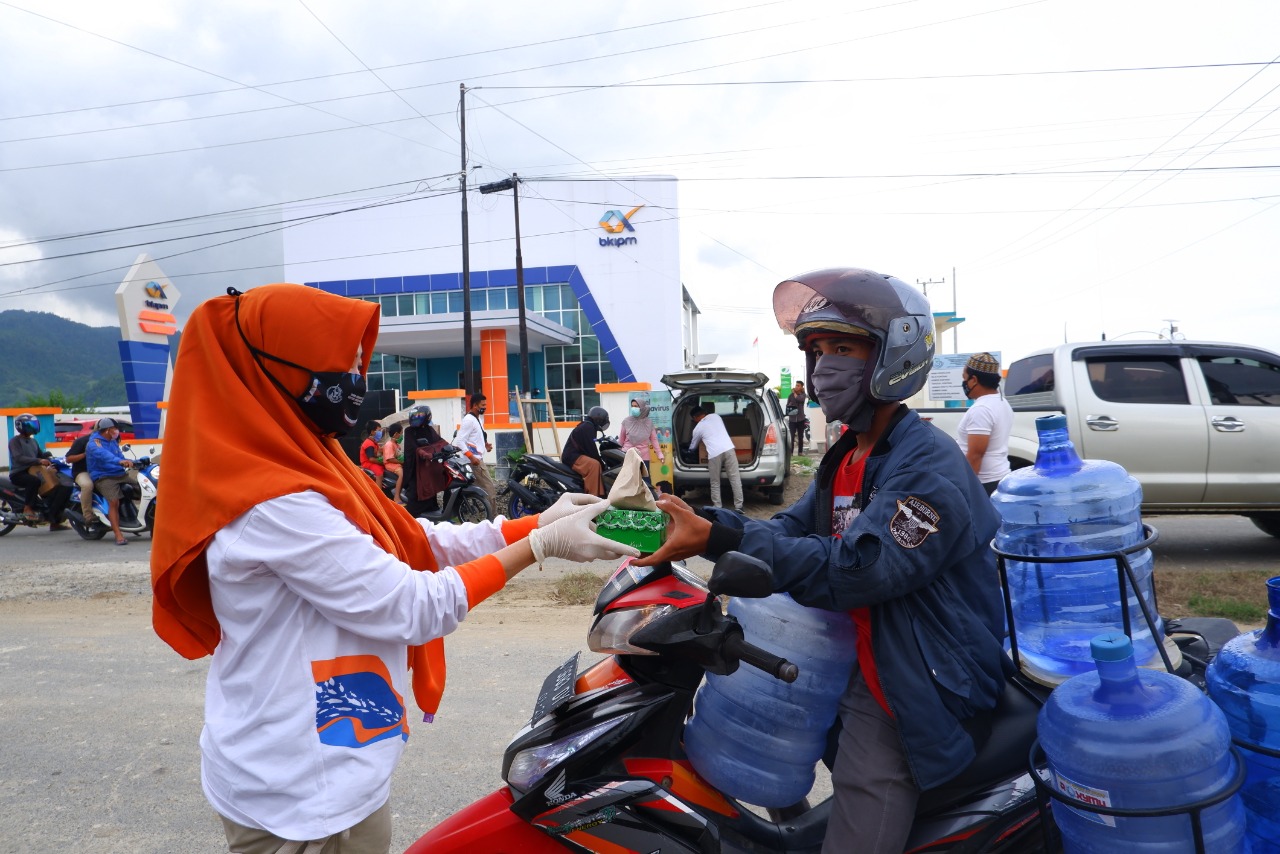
1064 168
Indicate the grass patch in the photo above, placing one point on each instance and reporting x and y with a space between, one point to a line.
577 588
1238 595
801 464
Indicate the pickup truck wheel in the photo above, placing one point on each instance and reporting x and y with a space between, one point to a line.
1268 523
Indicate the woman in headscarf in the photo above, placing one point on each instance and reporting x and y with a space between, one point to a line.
312 590
637 431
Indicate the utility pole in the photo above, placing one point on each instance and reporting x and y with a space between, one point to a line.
513 183
468 372
925 283
955 309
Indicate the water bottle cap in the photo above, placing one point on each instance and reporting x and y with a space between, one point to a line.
1046 423
1111 647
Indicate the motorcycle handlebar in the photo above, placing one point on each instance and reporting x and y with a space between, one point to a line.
776 666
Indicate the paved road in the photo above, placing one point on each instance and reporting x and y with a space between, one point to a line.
100 719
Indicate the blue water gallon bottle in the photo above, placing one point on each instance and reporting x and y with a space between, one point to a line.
1138 739
757 738
1065 506
1244 680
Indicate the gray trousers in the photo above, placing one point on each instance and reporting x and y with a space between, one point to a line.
728 464
874 798
370 836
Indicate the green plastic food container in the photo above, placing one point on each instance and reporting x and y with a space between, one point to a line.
644 529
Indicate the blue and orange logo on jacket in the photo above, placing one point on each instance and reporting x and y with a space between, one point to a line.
355 703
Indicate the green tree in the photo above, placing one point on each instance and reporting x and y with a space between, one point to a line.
56 399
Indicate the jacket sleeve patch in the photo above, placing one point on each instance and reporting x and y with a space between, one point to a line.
914 521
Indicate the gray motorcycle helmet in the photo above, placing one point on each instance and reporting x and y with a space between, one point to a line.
850 301
599 416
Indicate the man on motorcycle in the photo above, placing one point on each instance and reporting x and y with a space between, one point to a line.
311 591
894 529
28 463
109 469
581 454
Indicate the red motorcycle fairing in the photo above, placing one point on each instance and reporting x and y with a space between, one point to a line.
488 826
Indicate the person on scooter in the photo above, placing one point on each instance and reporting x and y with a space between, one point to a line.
109 469
313 593
895 529
371 451
78 457
425 478
393 457
581 454
27 463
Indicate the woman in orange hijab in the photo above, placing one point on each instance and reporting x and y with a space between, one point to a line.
313 592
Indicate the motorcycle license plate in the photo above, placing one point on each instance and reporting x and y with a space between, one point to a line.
557 689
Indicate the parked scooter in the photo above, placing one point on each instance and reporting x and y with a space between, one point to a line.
137 505
11 500
537 481
461 500
600 766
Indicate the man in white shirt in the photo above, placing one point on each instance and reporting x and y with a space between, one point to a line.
983 433
722 459
474 442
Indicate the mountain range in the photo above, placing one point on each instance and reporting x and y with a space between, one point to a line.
41 353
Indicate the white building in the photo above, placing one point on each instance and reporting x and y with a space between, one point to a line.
601 260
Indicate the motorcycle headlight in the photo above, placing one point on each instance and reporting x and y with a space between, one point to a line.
530 765
612 632
154 474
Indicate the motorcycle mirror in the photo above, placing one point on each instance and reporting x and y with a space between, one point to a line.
126 447
737 574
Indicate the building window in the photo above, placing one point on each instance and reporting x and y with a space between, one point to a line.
393 372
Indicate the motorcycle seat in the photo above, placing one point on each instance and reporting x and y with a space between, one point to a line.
1002 755
556 465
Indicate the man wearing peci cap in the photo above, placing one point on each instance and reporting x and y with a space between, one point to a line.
983 433
109 468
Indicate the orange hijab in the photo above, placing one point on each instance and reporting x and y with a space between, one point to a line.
233 440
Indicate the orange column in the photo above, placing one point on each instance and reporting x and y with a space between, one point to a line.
493 374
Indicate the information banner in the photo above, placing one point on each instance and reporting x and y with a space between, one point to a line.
660 471
946 381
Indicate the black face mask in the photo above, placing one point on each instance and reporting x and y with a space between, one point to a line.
331 400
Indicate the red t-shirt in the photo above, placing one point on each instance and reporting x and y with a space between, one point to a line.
846 501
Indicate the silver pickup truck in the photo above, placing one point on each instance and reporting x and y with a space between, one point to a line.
1197 423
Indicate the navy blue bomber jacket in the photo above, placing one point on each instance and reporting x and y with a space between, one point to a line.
918 556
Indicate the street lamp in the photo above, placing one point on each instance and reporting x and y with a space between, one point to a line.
513 183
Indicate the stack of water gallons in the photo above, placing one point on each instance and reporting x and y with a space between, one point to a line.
756 738
1244 680
1124 739
1064 506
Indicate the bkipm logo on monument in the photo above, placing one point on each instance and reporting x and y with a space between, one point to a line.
616 222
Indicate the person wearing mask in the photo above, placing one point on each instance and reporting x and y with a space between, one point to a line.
795 416
637 431
474 442
78 457
983 432
722 459
109 469
393 457
312 591
28 463
425 478
896 530
371 451
581 453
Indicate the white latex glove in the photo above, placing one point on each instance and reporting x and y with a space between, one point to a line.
574 538
566 505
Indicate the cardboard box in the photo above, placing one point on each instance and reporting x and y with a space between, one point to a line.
741 448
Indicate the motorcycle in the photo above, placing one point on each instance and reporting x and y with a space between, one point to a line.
12 501
537 481
461 499
137 505
600 766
